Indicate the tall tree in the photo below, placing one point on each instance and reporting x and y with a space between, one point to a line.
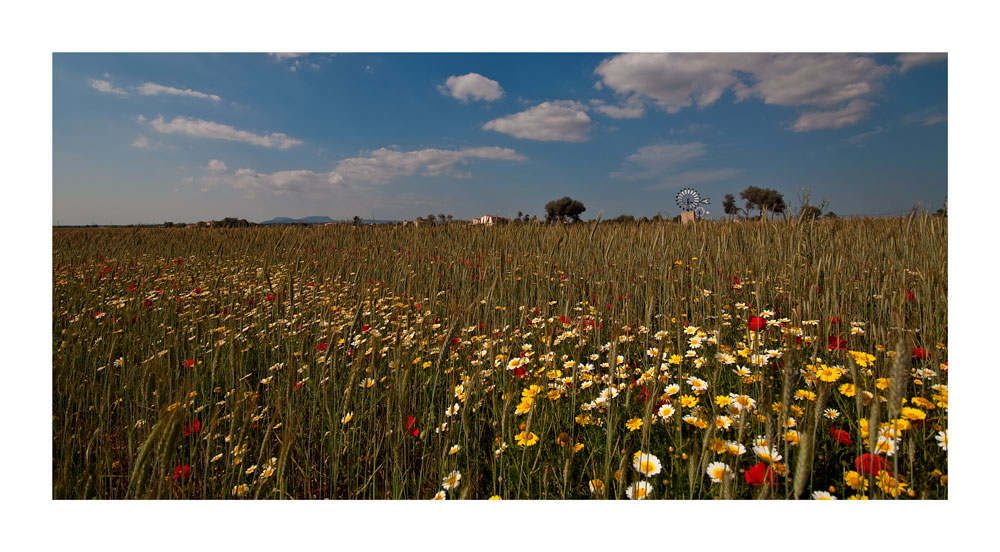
563 210
764 199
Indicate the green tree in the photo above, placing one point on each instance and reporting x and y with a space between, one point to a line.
764 199
564 210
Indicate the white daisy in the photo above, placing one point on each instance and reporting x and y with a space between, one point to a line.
640 490
942 439
647 464
452 480
717 471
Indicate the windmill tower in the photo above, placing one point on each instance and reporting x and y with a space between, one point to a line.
691 205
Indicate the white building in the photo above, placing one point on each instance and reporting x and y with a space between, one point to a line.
488 220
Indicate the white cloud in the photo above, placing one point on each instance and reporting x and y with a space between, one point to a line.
285 55
383 164
106 87
141 142
909 61
378 167
472 86
659 159
564 121
851 114
208 129
217 166
677 81
153 89
629 110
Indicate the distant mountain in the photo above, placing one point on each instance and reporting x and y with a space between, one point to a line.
306 220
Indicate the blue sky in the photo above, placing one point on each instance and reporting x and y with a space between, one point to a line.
185 137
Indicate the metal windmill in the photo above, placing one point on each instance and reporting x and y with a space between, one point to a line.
689 200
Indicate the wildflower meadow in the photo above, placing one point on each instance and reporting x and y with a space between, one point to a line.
755 360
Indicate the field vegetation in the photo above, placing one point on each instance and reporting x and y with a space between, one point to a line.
750 360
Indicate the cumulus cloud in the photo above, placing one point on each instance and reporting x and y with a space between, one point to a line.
911 60
376 168
851 114
208 129
141 142
629 110
831 82
106 87
153 89
472 86
563 120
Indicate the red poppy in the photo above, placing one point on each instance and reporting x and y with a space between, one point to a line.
920 353
411 426
270 297
189 363
910 296
456 340
192 428
299 385
197 290
365 327
321 347
182 472
868 464
519 371
841 436
836 344
757 323
758 474
834 320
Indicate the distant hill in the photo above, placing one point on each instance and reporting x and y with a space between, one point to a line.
306 220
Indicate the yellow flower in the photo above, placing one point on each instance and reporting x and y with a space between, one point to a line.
526 439
889 484
829 374
240 490
913 413
634 424
801 394
688 401
862 359
922 402
723 400
577 448
882 383
494 497
596 486
856 481
523 406
847 390
531 391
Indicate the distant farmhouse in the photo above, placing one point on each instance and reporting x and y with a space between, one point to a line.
489 220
